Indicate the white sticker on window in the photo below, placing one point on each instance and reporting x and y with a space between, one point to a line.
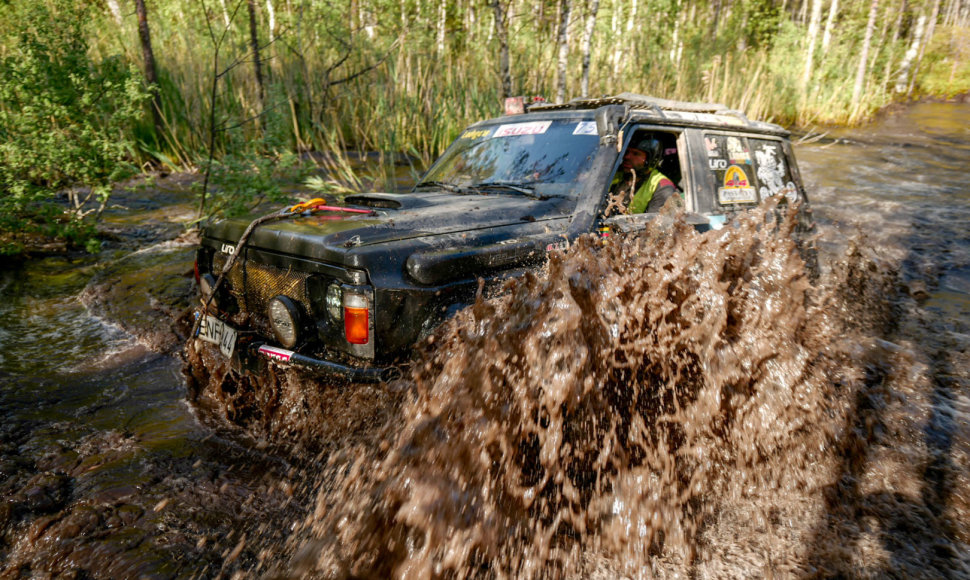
771 170
585 128
736 151
533 128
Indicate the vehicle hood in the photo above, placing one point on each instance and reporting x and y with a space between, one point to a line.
392 218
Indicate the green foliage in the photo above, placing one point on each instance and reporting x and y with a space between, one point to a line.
64 119
243 180
252 172
762 21
948 64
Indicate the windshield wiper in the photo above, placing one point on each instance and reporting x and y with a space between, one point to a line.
446 185
523 189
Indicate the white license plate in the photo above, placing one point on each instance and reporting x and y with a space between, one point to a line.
213 330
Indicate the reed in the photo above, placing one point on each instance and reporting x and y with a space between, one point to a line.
411 99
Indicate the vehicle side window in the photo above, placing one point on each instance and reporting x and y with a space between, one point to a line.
649 173
774 174
730 161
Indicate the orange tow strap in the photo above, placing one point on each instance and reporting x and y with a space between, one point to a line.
307 205
320 205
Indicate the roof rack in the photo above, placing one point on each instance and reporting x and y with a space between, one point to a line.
734 113
635 101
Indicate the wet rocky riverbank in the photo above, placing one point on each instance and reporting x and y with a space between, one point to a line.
105 470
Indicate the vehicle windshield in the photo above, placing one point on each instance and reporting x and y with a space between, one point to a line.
517 157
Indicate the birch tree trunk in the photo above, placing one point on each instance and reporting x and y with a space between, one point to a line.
617 51
440 27
148 55
503 48
624 59
368 20
115 10
829 24
860 75
951 11
562 40
254 46
715 19
592 9
404 18
812 39
225 13
471 24
271 15
930 29
881 45
675 39
902 80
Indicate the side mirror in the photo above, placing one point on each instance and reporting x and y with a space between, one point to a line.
608 121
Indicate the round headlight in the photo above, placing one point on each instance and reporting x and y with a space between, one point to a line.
284 317
207 282
335 301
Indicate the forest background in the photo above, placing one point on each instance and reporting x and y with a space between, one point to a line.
243 91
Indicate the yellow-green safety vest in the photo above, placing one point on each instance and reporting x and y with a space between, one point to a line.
641 199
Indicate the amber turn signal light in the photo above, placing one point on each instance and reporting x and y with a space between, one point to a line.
356 325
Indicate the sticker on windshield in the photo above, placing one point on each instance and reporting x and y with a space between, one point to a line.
737 188
475 133
533 128
585 128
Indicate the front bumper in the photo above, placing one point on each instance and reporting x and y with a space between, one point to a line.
327 368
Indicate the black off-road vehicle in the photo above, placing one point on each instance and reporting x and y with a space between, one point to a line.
348 287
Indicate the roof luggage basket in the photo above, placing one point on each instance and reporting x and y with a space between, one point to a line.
665 111
734 113
634 101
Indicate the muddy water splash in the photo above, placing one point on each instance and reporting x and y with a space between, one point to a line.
624 413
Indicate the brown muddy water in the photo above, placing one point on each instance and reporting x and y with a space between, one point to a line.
676 405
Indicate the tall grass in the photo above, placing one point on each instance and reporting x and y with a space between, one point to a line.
411 99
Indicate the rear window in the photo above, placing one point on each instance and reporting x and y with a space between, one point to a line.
747 170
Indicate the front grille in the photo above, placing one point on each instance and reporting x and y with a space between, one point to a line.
253 285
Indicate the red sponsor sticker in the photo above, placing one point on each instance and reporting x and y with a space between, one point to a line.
275 353
735 178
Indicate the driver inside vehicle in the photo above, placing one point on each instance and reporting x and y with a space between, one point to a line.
638 185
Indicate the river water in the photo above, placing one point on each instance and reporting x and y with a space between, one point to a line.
750 425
